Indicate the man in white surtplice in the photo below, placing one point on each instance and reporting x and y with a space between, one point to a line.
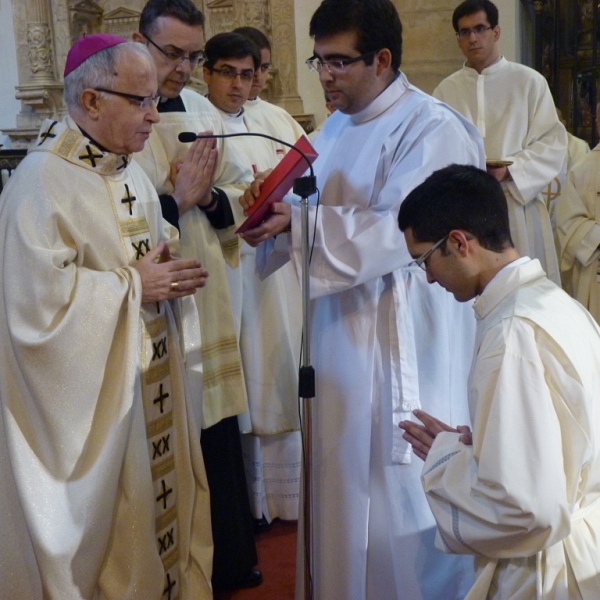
522 492
195 184
382 340
578 224
267 312
513 109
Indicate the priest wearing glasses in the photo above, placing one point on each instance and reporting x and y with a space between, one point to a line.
382 342
197 185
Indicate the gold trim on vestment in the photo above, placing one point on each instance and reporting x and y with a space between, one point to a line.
133 227
156 373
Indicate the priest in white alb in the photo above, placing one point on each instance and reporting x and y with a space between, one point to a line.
578 225
268 312
512 107
382 340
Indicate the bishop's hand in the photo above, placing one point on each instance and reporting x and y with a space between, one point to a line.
166 278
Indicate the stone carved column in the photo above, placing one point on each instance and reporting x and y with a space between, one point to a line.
283 42
39 41
39 91
275 18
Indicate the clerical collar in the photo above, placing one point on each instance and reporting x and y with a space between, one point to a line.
89 137
171 105
386 98
231 116
491 67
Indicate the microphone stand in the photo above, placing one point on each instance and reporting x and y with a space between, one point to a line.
305 187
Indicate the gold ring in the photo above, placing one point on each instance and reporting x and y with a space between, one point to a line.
174 286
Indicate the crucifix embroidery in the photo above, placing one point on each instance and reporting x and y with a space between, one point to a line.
129 199
162 395
125 163
165 494
170 586
90 156
48 133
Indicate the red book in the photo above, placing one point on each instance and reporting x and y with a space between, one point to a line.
279 183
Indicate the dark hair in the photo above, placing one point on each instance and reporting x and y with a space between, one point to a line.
458 197
376 23
256 35
182 10
230 45
470 7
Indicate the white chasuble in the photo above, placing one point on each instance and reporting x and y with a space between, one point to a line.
102 443
512 107
383 342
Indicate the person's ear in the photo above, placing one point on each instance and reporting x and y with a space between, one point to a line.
460 241
383 60
497 32
90 100
138 37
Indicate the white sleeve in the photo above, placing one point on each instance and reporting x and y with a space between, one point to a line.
506 495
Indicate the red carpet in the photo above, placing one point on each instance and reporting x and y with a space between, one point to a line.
277 561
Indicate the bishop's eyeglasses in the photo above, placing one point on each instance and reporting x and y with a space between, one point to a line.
144 102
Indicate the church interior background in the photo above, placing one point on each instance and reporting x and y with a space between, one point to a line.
35 36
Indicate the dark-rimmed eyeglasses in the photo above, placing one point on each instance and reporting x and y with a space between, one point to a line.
178 56
477 30
228 73
335 67
144 102
421 261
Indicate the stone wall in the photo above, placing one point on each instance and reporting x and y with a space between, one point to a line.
44 30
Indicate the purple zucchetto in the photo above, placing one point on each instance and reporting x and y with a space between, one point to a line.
89 45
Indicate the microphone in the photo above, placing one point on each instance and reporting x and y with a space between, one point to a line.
303 186
187 136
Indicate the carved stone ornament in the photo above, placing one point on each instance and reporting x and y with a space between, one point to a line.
275 18
46 29
40 49
85 18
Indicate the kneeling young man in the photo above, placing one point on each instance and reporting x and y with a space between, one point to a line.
522 493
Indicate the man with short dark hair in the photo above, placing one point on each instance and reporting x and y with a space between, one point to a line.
104 488
512 107
522 492
275 120
196 187
374 319
268 312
